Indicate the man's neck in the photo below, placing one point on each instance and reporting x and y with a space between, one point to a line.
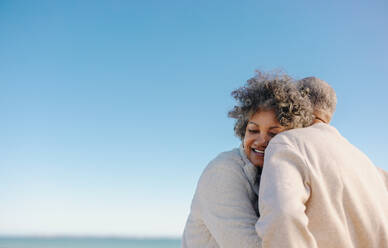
318 120
321 117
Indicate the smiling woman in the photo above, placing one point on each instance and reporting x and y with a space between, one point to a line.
261 128
224 209
269 104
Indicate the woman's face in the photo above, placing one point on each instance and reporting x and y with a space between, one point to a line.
261 128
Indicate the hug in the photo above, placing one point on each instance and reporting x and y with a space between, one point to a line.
295 181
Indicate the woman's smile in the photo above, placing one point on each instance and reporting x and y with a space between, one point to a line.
261 128
258 153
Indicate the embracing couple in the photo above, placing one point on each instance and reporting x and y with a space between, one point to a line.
294 181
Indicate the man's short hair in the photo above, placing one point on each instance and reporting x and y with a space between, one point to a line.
321 94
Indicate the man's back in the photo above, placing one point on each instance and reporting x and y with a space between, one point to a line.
318 190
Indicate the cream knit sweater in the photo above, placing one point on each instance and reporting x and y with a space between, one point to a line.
318 190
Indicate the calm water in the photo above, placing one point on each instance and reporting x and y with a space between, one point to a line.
87 243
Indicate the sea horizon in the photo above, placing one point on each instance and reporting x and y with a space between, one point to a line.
87 241
118 236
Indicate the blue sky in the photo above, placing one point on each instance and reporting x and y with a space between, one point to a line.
111 109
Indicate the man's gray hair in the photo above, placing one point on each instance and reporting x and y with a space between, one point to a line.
321 94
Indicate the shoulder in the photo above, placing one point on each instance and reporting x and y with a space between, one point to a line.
305 135
301 144
225 168
225 161
384 176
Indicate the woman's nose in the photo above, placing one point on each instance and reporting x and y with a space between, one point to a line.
261 140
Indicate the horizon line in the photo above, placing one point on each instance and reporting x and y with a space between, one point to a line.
85 236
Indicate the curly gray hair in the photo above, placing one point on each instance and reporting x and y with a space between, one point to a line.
321 94
271 91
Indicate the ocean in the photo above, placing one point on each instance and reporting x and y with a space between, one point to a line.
14 242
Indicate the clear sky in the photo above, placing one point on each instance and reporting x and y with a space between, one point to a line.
110 110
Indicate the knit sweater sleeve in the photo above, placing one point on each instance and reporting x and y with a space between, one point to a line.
225 206
284 190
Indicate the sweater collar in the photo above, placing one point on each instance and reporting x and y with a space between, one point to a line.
251 171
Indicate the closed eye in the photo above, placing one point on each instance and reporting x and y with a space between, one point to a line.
253 131
272 134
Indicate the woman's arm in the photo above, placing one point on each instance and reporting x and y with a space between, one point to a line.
223 199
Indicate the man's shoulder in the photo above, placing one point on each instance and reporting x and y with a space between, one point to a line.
307 134
384 176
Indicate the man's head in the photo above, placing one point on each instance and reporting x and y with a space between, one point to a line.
322 97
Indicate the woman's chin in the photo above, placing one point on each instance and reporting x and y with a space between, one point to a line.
257 161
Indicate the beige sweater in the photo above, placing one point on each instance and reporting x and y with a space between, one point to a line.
318 190
224 208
